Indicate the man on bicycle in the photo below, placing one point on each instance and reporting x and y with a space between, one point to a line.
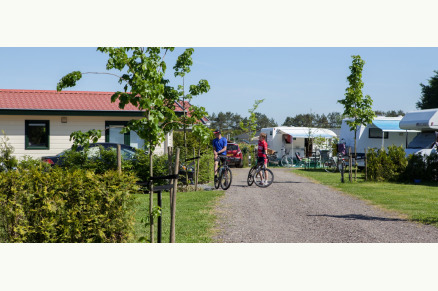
262 154
219 149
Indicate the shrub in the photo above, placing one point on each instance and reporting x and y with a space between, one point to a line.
7 160
416 168
431 172
66 206
386 166
105 160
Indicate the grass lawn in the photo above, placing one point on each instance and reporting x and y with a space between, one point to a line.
415 202
195 219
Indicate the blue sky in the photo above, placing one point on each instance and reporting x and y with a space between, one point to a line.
291 80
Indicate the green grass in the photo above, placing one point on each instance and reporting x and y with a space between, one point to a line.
414 202
195 219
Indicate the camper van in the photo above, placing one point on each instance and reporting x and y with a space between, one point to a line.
293 140
381 133
425 121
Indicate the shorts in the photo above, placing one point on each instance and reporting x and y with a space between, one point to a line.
219 158
262 160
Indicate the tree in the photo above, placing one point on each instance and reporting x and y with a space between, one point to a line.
250 125
429 98
263 121
356 106
335 119
145 87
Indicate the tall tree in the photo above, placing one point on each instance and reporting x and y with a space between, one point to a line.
429 94
335 119
145 87
356 106
263 121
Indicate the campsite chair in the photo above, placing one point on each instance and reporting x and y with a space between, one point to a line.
302 162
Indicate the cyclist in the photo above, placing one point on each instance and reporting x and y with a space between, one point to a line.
262 154
219 149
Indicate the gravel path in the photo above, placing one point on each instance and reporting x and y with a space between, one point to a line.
293 209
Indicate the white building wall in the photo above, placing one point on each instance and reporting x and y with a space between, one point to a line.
14 128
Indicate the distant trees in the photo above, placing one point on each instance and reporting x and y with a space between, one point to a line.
331 120
429 94
230 122
390 113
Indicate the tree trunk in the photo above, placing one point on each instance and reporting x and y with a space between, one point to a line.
173 209
151 194
169 161
197 169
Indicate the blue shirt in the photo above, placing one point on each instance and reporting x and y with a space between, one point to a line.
219 144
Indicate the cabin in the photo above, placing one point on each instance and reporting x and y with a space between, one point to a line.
292 140
381 133
39 122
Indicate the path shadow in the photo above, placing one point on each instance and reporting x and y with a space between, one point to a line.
290 182
359 217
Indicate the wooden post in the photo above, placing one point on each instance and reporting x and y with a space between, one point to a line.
173 209
119 158
366 166
169 161
197 169
350 161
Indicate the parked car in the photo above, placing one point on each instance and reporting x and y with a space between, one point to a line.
234 155
128 152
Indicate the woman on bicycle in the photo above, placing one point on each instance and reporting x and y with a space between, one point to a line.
262 154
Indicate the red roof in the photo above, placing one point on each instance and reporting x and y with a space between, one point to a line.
69 101
65 100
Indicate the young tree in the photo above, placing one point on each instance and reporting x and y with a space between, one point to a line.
356 106
145 87
429 98
250 125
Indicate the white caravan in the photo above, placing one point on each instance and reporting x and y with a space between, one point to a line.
292 140
381 133
425 121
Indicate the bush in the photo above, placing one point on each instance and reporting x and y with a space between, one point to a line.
7 160
386 166
431 173
66 206
104 161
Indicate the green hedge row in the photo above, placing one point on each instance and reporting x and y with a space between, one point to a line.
59 205
394 166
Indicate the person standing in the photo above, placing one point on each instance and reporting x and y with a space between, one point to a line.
262 155
219 149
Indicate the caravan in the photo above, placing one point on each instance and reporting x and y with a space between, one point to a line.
425 121
381 133
292 140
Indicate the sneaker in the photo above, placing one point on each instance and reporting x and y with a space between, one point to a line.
265 183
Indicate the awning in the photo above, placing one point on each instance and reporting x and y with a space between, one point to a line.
390 126
306 132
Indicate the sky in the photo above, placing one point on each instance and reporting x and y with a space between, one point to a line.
291 80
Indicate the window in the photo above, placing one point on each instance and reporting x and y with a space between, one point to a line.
113 134
377 133
37 134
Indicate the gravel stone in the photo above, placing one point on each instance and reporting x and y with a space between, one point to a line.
295 210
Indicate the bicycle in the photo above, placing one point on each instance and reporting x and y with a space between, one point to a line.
224 175
286 160
257 174
332 164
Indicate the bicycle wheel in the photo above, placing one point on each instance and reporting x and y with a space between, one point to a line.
260 178
217 180
225 178
251 173
330 166
286 161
